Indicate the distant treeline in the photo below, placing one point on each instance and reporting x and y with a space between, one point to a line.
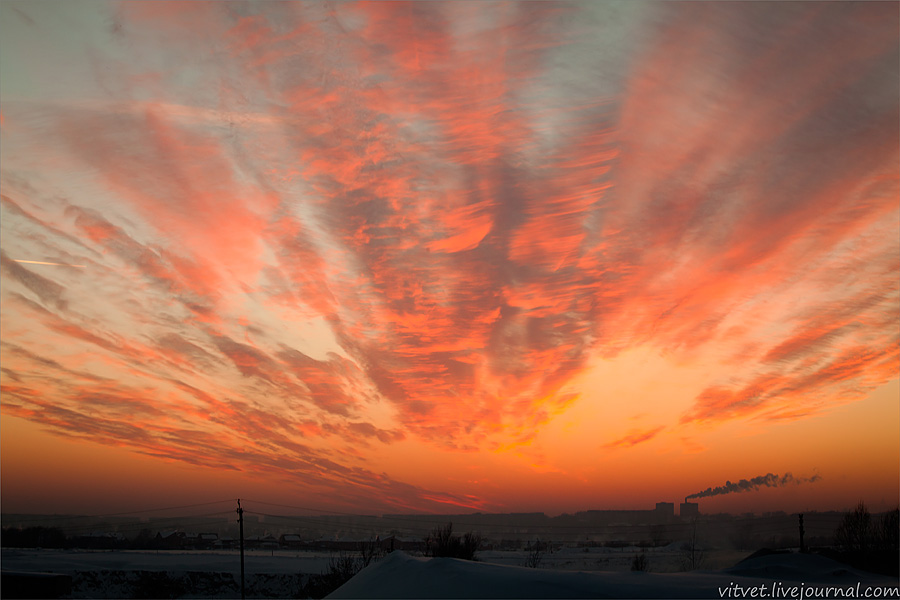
54 537
33 537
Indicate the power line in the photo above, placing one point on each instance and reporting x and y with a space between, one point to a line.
321 510
139 525
436 520
496 531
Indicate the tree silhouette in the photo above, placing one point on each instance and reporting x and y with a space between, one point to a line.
854 532
691 552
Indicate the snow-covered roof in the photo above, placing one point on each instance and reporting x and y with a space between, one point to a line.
166 534
103 534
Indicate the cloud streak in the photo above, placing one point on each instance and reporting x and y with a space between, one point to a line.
635 437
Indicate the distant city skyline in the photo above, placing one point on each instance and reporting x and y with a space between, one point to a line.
394 257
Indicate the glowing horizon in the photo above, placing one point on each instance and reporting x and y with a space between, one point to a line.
453 256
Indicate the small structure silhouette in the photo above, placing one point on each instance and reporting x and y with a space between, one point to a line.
689 510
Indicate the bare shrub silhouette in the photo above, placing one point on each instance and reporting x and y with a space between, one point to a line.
535 555
368 552
442 542
869 543
640 562
855 530
691 552
470 544
887 531
742 535
341 568
658 534
338 572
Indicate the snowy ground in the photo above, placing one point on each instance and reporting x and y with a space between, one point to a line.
567 573
666 559
661 560
172 574
255 562
402 576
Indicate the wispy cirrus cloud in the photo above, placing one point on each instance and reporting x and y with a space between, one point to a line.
635 437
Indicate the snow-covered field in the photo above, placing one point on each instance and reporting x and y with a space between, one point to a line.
179 574
665 559
257 561
566 573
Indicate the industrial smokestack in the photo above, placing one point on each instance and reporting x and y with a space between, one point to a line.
745 485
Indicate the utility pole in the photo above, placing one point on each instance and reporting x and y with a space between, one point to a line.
240 512
802 546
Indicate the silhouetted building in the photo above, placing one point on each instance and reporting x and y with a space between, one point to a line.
665 509
689 509
603 518
290 540
170 539
206 540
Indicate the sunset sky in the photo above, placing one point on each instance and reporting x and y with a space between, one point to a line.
449 256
